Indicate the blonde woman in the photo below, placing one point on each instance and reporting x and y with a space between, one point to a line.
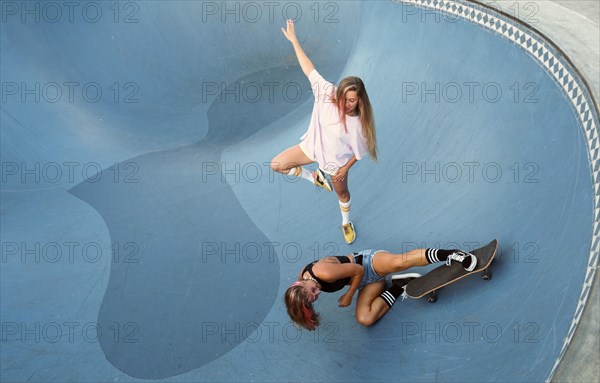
341 132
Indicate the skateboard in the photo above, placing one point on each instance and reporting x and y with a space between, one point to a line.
444 275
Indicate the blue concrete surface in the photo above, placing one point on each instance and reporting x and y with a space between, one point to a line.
191 241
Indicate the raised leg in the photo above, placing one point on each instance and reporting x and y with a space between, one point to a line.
386 263
289 158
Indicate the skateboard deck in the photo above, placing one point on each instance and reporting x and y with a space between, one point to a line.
445 275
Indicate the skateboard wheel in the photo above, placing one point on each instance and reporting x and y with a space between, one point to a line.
487 275
432 298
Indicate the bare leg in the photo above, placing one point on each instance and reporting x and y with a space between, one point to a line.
289 158
386 263
341 188
370 307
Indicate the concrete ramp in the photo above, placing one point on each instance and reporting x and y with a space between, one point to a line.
144 236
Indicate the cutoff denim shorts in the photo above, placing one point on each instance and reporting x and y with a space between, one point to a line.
370 275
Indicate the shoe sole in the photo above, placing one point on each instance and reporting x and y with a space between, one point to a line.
405 275
474 266
352 225
326 184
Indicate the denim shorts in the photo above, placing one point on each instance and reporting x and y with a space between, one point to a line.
370 275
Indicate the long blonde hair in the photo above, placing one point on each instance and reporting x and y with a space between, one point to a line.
365 111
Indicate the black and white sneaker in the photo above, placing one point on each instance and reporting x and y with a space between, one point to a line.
403 280
467 260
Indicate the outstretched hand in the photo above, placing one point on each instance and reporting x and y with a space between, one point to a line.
290 33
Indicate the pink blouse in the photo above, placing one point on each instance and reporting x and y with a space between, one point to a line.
326 141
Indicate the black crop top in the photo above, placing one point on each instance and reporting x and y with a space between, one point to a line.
329 287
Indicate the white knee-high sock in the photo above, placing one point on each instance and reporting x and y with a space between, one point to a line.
345 208
299 171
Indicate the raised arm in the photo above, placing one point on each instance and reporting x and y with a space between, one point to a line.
290 34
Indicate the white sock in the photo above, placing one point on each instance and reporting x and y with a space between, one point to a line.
299 171
345 208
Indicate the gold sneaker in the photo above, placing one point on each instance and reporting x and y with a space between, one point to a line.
349 233
321 180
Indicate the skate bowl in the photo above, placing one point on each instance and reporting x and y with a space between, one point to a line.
144 236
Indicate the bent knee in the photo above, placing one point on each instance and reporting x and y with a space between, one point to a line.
366 319
343 195
277 167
